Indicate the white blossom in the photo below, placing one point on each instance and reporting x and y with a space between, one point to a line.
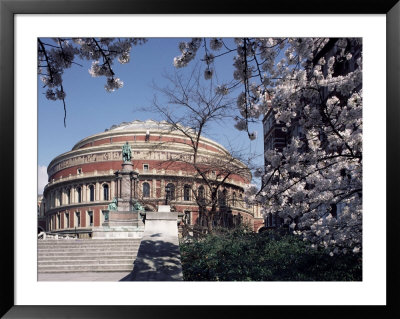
216 44
316 179
113 84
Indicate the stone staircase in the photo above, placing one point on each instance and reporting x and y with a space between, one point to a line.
87 255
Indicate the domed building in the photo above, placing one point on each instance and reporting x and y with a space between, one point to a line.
82 182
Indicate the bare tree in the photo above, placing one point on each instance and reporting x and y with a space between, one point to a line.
191 108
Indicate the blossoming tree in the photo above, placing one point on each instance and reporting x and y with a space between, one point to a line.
314 183
312 85
56 55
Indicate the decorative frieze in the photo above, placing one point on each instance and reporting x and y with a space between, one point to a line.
84 159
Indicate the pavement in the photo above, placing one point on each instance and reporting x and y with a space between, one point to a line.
82 276
158 258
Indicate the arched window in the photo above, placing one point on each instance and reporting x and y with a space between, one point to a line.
105 192
146 190
91 191
233 199
170 191
79 194
68 192
222 198
200 193
66 220
77 219
186 192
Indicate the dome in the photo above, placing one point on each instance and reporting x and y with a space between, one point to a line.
137 125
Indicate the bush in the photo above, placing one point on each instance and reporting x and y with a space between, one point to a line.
240 255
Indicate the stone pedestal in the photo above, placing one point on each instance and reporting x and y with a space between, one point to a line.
125 221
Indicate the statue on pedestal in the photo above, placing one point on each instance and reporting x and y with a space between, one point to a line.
138 207
126 152
113 204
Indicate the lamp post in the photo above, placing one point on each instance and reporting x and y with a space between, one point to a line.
167 190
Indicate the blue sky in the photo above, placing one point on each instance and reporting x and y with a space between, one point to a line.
91 109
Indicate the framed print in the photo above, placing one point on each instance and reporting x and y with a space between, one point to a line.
22 23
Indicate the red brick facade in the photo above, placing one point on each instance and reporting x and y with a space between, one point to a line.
82 181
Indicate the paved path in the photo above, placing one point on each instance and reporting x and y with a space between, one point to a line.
82 276
158 258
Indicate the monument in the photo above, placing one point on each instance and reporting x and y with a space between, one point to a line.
124 212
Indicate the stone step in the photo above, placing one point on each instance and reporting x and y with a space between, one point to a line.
75 262
81 268
108 248
75 243
88 241
89 245
91 241
88 254
83 249
85 257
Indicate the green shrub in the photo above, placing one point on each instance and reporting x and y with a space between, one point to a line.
240 255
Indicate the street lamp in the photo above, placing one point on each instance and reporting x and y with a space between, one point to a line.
167 190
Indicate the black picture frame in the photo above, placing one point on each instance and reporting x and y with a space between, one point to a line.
9 8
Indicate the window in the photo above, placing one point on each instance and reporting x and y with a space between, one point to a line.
186 217
234 199
90 218
186 192
66 220
105 215
79 171
146 190
91 190
170 191
79 194
78 219
105 192
60 197
269 123
58 221
200 193
68 196
145 167
269 144
222 198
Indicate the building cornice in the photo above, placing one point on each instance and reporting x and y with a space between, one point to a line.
112 152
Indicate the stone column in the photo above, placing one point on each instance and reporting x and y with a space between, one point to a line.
117 188
112 190
84 193
154 189
72 196
162 191
97 192
179 190
125 187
